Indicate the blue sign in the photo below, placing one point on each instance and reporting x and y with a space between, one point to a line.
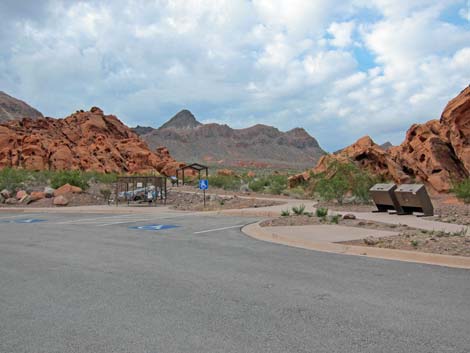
26 220
203 184
154 227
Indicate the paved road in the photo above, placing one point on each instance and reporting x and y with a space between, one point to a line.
88 283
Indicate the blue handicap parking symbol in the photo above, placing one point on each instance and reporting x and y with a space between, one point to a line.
24 220
154 227
203 184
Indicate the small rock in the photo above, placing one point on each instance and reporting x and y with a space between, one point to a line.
5 193
37 195
49 192
60 201
11 201
21 194
349 216
371 241
26 200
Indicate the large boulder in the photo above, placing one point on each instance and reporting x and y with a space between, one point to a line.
89 141
436 153
67 189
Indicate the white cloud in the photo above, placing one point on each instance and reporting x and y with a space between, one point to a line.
339 68
342 33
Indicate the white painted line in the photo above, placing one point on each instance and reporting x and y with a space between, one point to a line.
83 220
215 230
23 215
128 221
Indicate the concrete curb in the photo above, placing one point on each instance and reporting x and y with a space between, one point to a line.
254 230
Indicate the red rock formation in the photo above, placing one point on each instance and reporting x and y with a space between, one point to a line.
435 153
89 141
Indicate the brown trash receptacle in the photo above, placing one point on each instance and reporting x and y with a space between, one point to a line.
384 198
414 198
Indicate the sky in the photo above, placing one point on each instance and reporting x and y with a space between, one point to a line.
340 69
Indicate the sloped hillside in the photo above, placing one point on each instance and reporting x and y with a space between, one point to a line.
12 108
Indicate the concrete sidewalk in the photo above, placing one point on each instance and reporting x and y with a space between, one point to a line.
322 239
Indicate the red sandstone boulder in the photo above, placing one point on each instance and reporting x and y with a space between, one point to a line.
435 153
67 189
89 141
37 195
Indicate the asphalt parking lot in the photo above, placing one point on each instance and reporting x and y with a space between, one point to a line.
177 282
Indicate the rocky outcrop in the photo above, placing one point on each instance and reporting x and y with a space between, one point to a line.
257 146
90 141
435 153
12 109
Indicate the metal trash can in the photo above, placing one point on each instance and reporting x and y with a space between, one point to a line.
384 198
414 198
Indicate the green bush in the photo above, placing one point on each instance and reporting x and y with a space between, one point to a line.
272 184
335 219
226 182
12 179
462 190
72 177
341 179
299 211
285 213
321 212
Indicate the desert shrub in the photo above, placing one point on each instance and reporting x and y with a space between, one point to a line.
462 190
226 182
335 219
299 210
321 212
272 184
12 179
342 178
106 193
105 178
72 177
285 213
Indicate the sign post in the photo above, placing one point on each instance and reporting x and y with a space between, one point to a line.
204 185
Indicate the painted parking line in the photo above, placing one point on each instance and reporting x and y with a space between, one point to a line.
154 227
23 220
217 229
23 215
124 222
84 220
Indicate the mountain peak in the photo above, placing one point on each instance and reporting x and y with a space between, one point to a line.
184 120
12 108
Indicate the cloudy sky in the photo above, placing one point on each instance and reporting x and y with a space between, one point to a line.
340 69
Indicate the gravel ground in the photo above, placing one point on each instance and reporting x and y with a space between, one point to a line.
194 202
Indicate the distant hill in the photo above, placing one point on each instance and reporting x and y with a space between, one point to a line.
12 109
259 146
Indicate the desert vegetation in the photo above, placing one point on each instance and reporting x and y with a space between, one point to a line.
462 190
13 179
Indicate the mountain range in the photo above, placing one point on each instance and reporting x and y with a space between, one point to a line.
12 109
215 144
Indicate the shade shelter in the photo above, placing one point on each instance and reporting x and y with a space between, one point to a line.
141 189
195 166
